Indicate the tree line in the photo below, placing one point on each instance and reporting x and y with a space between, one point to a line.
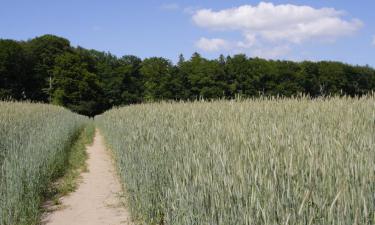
48 69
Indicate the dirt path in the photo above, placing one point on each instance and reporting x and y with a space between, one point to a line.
96 200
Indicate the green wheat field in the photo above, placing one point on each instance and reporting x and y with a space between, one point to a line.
265 161
34 144
257 161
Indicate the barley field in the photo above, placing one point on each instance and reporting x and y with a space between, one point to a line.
34 145
262 161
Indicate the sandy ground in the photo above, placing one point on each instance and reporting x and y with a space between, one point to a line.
96 201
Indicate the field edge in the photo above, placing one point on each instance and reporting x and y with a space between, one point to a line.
69 179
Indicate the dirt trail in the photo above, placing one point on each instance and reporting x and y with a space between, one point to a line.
96 200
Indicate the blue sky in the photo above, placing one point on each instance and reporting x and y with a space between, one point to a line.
340 30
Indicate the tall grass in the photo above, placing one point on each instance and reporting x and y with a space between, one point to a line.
265 161
34 148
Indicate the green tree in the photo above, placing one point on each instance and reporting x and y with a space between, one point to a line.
104 66
130 80
332 78
75 87
43 51
180 80
47 68
206 77
13 70
287 79
263 77
310 78
239 75
157 78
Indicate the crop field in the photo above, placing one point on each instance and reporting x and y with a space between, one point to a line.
34 143
261 161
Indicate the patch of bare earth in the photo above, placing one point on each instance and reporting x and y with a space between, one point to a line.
96 201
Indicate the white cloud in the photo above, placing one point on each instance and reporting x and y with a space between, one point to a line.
212 45
278 23
255 49
271 53
250 41
170 6
190 9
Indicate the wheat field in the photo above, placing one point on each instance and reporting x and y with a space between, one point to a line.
260 161
35 141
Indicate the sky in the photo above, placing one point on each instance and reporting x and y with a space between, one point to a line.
338 30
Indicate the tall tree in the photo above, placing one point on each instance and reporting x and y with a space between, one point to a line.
287 79
180 80
88 81
206 77
104 65
331 78
239 77
309 74
43 51
75 87
13 70
157 74
131 80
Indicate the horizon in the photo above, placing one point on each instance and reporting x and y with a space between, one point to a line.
297 30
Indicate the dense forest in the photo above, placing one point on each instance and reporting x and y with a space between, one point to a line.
49 69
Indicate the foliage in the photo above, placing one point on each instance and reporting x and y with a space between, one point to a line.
49 69
157 74
13 72
35 141
42 52
76 164
259 161
74 86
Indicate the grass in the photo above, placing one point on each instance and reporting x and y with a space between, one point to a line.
261 161
35 144
75 166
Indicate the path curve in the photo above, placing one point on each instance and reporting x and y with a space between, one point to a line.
96 201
